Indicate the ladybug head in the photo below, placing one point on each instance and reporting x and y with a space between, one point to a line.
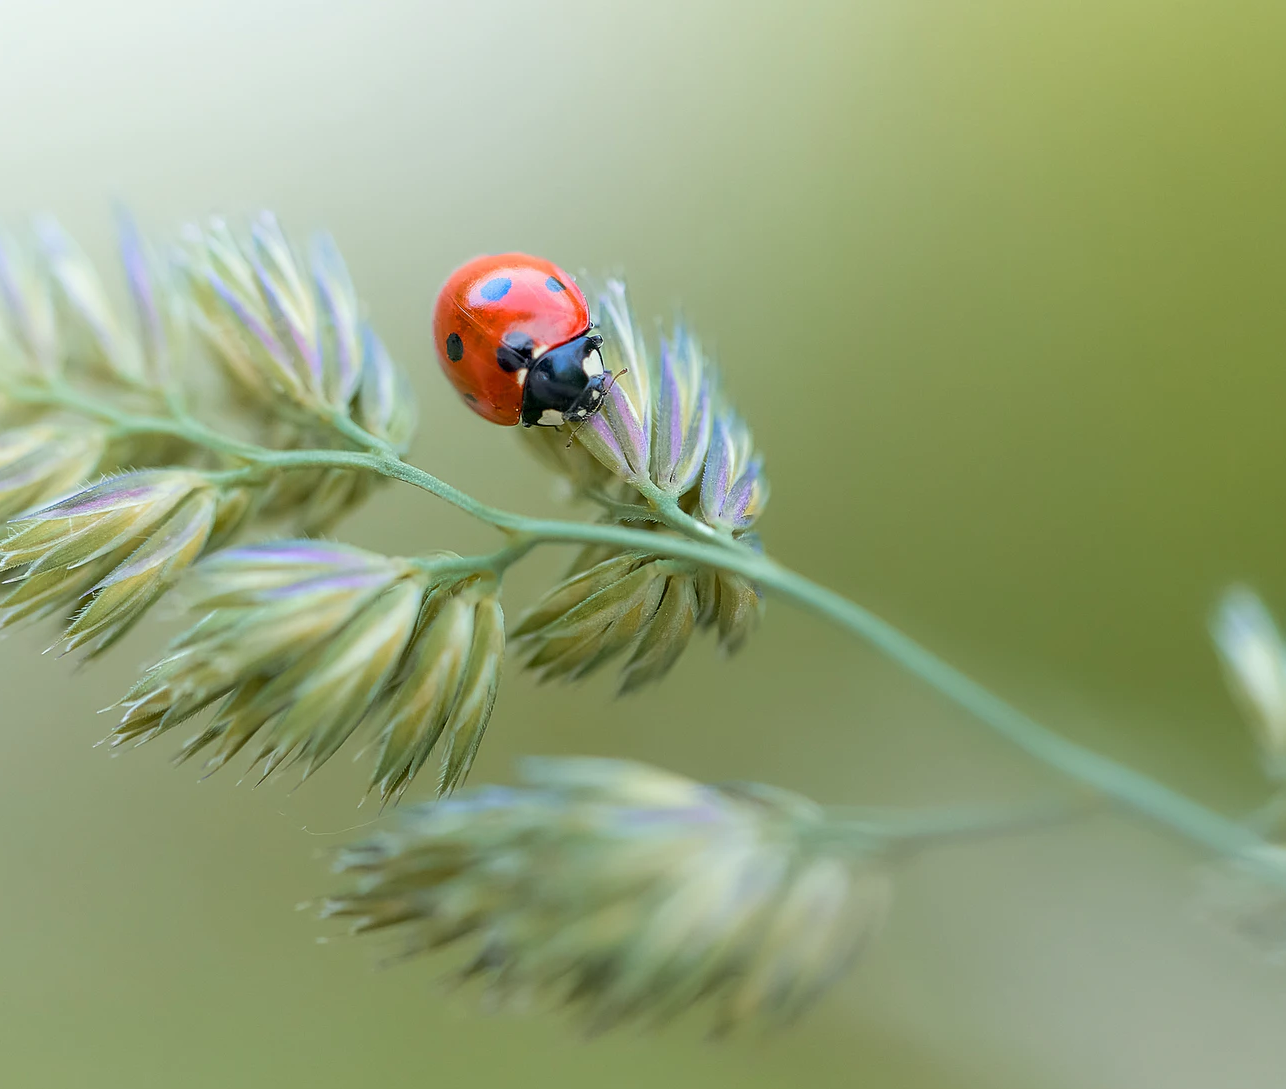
565 385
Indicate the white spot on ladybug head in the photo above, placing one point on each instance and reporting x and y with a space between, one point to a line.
551 417
592 365
521 376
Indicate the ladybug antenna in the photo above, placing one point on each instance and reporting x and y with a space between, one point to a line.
607 388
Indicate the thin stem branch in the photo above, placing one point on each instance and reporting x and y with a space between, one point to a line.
909 831
1131 789
699 544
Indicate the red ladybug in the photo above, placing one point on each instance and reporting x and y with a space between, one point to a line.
514 337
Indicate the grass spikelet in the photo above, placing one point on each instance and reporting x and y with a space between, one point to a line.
313 709
46 460
665 636
671 450
55 310
667 434
112 548
264 609
619 435
471 709
122 597
683 415
160 307
638 603
731 604
386 400
411 719
302 642
95 335
733 487
281 325
624 893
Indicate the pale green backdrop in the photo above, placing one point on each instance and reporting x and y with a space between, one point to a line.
1000 286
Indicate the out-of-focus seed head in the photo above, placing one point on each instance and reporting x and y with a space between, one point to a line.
626 893
109 550
337 299
46 460
56 314
94 335
160 305
386 402
301 642
1253 655
28 321
258 317
281 326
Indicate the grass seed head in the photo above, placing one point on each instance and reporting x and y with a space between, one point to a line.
303 642
633 603
663 438
111 549
642 607
56 310
667 434
1253 656
280 325
625 893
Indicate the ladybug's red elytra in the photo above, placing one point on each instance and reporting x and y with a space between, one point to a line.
514 336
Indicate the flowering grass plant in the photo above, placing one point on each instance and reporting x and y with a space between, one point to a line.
213 434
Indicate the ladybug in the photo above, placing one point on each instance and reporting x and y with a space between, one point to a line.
514 336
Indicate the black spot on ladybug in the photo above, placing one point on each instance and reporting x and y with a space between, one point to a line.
455 348
496 288
555 284
471 398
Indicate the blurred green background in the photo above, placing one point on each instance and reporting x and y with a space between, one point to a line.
1000 287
